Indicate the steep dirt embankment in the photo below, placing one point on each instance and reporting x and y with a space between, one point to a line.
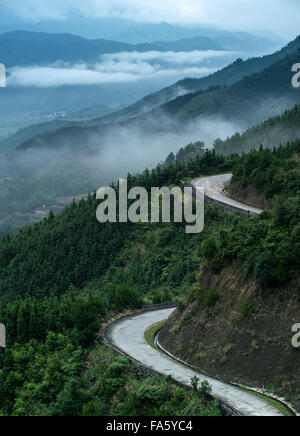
245 337
249 195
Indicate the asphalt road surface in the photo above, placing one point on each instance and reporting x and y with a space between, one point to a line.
128 335
214 186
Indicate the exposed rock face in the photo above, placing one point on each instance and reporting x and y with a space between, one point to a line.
249 195
246 337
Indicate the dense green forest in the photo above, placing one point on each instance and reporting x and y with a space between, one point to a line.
69 286
46 258
65 257
186 154
54 367
236 319
63 277
271 133
239 69
269 90
275 173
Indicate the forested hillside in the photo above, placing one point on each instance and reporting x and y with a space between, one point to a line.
235 321
226 76
26 48
68 260
53 365
63 277
275 174
251 99
240 69
271 133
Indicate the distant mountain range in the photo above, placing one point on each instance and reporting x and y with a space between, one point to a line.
271 133
250 100
24 48
69 157
236 92
227 76
132 32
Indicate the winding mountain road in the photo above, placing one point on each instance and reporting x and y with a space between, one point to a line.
214 187
127 334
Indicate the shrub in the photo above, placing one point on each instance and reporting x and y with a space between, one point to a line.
209 248
211 298
199 294
125 296
92 408
246 307
233 321
196 294
150 393
217 264
157 298
265 270
180 306
205 389
195 383
117 368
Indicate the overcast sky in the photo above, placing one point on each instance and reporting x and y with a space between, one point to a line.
278 16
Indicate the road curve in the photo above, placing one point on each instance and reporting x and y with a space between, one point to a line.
127 334
214 186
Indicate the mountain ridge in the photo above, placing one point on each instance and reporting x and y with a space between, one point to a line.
226 76
21 48
62 162
272 83
133 32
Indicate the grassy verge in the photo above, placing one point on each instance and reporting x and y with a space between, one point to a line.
149 337
277 404
189 179
151 332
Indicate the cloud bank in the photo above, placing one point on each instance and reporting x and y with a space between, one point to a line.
118 68
115 151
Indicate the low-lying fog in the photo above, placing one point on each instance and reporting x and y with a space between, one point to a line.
133 150
115 80
115 151
123 68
